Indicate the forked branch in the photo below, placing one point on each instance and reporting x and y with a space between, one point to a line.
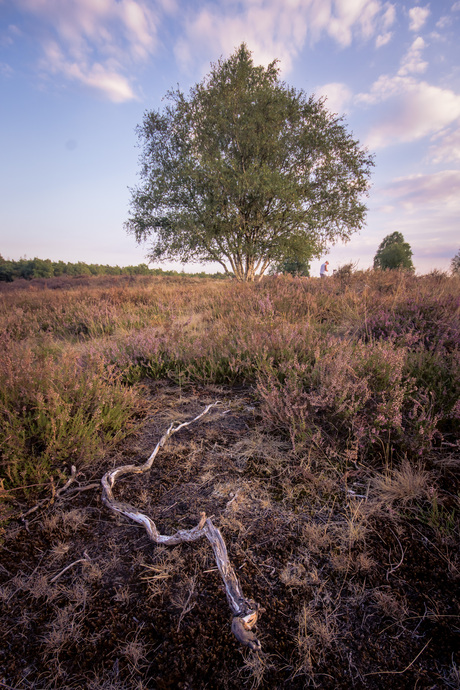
244 611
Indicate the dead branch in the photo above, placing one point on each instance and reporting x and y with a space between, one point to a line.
244 611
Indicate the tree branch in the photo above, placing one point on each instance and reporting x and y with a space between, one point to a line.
244 611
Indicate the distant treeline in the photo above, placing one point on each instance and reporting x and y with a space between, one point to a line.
45 268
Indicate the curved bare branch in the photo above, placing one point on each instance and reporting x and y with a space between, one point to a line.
244 611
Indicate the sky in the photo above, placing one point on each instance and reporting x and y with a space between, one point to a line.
77 76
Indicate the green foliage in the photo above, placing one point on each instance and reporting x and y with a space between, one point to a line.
55 410
6 270
394 252
455 264
246 171
294 267
45 268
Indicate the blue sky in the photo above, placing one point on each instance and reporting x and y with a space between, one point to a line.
76 77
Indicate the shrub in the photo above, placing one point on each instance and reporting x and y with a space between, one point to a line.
55 410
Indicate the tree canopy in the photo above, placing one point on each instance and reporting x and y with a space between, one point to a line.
246 172
394 252
293 266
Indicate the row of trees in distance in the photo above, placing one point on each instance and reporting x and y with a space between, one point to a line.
45 268
393 254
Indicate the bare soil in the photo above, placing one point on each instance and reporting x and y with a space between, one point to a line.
355 594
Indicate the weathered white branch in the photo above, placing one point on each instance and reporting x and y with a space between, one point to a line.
244 612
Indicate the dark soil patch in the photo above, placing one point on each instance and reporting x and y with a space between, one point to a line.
372 609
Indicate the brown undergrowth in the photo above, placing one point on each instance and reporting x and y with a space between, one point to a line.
357 572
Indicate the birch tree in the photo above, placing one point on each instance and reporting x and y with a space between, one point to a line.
246 171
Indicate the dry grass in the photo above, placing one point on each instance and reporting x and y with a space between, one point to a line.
403 484
317 633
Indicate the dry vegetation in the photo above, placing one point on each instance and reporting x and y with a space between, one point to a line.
331 468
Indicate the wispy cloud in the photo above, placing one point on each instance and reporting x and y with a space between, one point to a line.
94 42
386 21
337 95
6 70
99 43
8 34
412 61
104 78
408 109
440 190
418 17
446 145
272 28
425 209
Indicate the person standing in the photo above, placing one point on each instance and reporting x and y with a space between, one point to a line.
324 270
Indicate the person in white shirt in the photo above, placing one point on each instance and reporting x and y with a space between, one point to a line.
324 270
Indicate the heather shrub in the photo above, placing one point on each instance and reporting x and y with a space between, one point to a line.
371 363
88 313
431 324
55 410
224 351
354 394
428 328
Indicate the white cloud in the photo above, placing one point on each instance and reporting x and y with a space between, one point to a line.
383 39
337 95
269 32
98 41
389 16
409 110
353 16
446 146
386 21
412 62
110 83
418 17
439 190
105 79
278 29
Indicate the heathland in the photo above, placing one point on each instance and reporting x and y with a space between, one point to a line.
330 466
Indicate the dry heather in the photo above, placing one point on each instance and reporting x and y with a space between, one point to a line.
330 467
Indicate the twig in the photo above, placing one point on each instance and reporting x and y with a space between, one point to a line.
403 553
71 479
85 487
80 560
54 494
381 673
233 499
